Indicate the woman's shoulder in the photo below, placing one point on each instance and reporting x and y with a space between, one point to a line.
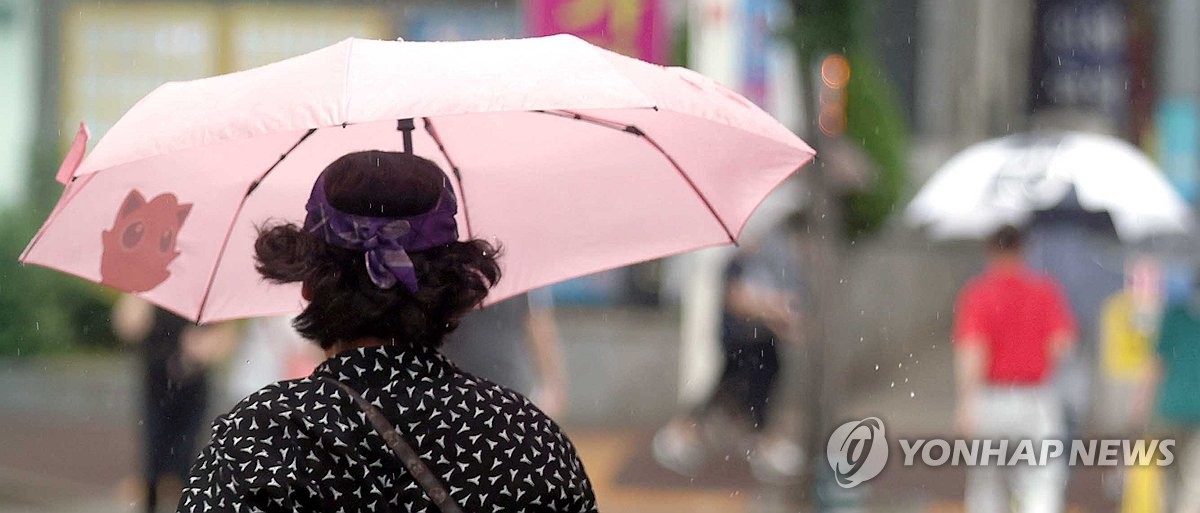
510 412
483 393
511 426
270 408
278 395
256 445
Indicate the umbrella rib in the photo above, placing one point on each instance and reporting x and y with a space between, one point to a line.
212 275
58 208
454 169
593 120
633 129
689 181
254 185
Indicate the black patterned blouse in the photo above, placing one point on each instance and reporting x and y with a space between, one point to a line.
303 445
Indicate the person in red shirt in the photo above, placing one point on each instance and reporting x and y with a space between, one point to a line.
1011 328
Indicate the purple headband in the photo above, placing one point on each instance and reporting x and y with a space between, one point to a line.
385 240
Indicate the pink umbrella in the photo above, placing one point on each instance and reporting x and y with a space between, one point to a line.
575 158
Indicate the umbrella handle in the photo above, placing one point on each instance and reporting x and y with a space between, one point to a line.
406 126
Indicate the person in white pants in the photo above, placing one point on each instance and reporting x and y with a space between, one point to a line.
1012 327
1015 414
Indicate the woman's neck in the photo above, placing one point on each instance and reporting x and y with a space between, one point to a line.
354 344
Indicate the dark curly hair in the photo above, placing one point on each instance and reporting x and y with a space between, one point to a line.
345 304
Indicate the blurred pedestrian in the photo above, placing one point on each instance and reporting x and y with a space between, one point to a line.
1059 242
1012 327
386 423
1127 353
515 344
176 358
1171 401
763 305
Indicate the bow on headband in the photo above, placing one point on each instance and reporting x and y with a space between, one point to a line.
386 241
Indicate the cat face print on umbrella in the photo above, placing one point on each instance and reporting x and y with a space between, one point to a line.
141 243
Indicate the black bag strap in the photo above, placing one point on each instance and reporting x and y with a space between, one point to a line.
434 489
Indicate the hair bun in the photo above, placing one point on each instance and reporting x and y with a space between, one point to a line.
284 253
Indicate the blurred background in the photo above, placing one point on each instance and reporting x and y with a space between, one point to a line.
886 91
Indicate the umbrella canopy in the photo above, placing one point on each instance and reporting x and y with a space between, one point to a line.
1006 180
575 158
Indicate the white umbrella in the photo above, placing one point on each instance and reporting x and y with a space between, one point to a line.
1003 181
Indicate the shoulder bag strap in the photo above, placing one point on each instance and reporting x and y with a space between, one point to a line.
434 489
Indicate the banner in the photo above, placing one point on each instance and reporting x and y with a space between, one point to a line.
1079 57
759 17
768 62
1179 143
635 28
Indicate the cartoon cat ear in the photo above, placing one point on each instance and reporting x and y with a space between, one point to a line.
133 201
183 212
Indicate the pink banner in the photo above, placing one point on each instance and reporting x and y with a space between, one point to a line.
631 27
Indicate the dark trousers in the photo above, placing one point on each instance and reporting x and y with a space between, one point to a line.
174 417
746 382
